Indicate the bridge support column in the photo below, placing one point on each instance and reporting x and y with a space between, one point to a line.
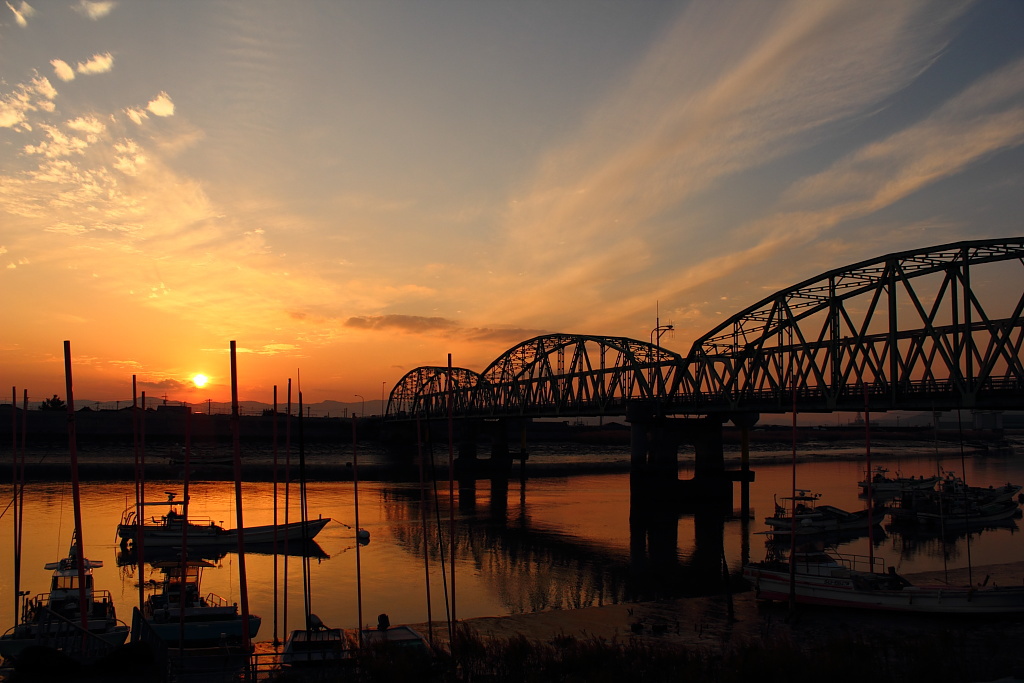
710 483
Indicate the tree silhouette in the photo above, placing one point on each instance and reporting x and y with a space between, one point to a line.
54 403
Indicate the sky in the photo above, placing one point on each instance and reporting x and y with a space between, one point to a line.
349 190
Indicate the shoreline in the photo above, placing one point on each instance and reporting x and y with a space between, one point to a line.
715 623
116 463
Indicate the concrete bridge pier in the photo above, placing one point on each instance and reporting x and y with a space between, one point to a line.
654 461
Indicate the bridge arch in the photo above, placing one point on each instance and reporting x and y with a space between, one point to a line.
936 328
574 374
919 329
425 391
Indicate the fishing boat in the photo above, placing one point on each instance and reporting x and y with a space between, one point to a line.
818 577
317 645
54 619
178 614
881 483
813 518
394 639
166 529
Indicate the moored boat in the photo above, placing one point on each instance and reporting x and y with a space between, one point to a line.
54 619
178 614
317 645
823 578
812 518
166 529
881 483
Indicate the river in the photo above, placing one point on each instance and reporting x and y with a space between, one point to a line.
538 544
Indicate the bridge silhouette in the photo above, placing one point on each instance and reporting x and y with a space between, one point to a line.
934 329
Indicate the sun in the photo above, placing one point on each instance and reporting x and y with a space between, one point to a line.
199 381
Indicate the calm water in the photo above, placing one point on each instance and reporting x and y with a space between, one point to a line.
547 544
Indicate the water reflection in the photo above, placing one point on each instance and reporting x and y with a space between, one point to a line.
127 554
520 545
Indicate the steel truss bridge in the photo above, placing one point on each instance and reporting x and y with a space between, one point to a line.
938 328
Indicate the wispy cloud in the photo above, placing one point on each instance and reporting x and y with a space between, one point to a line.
729 88
97 64
94 9
21 13
137 115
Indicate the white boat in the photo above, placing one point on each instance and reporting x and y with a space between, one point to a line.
822 578
54 619
166 529
178 614
881 483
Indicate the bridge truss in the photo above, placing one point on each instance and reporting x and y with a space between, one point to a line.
929 329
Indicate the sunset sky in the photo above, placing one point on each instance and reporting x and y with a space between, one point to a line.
352 189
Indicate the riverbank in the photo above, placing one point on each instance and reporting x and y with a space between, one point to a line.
323 462
711 628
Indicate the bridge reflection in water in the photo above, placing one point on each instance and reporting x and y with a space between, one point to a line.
540 565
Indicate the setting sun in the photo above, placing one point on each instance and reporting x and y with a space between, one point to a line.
199 381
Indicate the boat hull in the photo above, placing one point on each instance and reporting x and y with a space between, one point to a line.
12 645
216 537
202 633
842 591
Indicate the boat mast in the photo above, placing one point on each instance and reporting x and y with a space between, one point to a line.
871 502
423 520
240 526
274 431
76 495
355 502
184 530
287 496
303 518
16 527
140 511
451 496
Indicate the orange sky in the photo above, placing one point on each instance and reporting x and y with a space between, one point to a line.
350 190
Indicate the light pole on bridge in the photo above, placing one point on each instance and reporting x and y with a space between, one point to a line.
362 411
658 330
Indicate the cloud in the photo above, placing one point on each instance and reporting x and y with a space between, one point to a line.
36 95
59 144
94 9
161 105
771 80
98 64
63 70
136 115
90 125
405 323
22 13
